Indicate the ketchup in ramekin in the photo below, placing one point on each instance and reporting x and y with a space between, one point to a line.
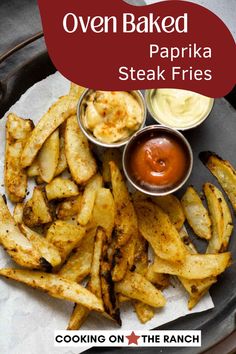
157 160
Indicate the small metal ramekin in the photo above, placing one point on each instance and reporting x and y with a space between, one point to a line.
158 120
126 159
136 93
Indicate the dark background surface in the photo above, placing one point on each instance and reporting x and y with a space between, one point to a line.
20 20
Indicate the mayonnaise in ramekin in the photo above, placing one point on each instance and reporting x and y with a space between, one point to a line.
179 109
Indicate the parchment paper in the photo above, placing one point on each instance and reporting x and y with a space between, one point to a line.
29 317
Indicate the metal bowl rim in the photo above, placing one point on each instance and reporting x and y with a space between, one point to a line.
170 130
95 141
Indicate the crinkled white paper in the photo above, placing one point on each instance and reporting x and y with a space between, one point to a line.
29 317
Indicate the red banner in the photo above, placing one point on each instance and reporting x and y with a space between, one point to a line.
111 45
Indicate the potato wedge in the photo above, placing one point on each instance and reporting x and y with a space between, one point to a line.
61 188
156 228
227 219
80 313
141 264
144 312
47 250
195 266
77 318
169 204
228 222
110 301
63 108
123 258
48 157
65 237
88 199
136 287
223 171
104 211
16 244
194 300
33 170
95 281
195 287
217 217
125 220
76 90
78 265
196 214
62 163
15 177
18 213
173 208
187 241
161 281
141 255
55 286
108 156
36 210
82 164
69 207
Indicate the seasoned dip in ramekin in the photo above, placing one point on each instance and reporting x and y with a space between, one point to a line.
110 118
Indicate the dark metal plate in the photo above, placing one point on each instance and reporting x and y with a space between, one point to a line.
216 134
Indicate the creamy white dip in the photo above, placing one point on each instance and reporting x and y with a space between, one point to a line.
180 109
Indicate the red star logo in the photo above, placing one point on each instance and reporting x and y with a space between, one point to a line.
132 338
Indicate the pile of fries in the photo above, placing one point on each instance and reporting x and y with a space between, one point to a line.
84 238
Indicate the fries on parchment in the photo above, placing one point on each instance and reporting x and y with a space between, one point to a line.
97 234
55 286
55 116
196 214
223 171
17 132
16 244
80 160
